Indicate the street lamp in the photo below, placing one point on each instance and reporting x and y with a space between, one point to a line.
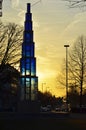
66 46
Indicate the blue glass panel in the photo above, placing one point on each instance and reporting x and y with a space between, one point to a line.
28 67
27 83
32 50
28 16
27 79
27 47
28 61
28 50
34 86
33 67
28 26
27 71
23 71
28 53
22 67
28 37
23 50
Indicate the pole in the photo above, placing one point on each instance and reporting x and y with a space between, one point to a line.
66 75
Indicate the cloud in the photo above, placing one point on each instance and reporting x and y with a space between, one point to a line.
21 13
71 26
14 3
75 26
36 24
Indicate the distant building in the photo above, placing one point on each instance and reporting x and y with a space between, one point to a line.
1 7
29 80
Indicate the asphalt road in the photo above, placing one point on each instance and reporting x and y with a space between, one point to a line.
45 121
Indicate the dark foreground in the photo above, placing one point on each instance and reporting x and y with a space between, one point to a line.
43 122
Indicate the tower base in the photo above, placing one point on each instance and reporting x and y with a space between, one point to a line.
29 106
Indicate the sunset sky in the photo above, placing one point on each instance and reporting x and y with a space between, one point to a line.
54 24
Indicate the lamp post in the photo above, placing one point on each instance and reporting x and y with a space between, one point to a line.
66 46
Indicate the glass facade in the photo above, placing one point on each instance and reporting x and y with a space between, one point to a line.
28 36
28 25
28 16
29 80
34 84
28 49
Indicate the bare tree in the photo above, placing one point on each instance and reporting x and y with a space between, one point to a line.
60 79
76 3
77 64
10 43
10 53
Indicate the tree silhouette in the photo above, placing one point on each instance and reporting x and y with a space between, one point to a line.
77 65
76 69
10 43
76 3
10 53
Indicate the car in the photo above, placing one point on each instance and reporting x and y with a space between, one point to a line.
57 109
43 109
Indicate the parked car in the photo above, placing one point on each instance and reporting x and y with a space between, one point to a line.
43 109
46 108
57 109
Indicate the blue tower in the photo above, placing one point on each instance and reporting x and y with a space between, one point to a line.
29 80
